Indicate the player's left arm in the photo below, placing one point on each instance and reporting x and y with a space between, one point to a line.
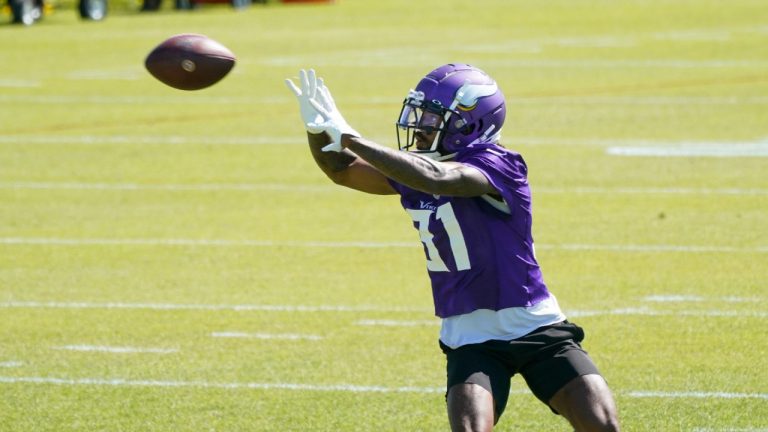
421 173
347 169
416 172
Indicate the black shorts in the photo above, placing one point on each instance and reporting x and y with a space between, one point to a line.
547 358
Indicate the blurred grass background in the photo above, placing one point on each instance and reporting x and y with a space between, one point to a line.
119 195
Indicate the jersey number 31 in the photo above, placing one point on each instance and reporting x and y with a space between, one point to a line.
451 226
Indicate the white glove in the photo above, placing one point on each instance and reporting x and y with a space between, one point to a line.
333 123
309 85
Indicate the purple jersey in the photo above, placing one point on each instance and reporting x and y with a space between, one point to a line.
479 250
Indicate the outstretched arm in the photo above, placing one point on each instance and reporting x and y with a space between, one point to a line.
346 169
418 172
374 163
343 168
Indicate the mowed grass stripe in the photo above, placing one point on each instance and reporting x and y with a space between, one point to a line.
681 101
628 311
173 187
77 242
214 385
53 241
119 382
85 141
287 187
299 140
152 140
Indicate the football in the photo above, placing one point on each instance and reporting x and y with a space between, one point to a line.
190 61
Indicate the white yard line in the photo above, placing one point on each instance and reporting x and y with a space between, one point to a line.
695 395
646 191
116 349
680 102
681 298
595 63
647 312
208 307
76 242
729 429
613 144
653 248
11 364
119 382
172 187
151 140
198 242
397 323
204 242
54 99
372 58
721 150
353 388
127 74
18 83
644 311
617 143
266 336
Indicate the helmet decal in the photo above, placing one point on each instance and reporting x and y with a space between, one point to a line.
470 103
469 94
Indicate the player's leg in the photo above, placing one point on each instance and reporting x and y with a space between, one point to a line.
478 387
562 375
470 408
587 403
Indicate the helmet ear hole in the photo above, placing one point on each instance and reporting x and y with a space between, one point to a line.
471 127
462 127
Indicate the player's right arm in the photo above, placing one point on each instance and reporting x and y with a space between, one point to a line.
347 169
343 167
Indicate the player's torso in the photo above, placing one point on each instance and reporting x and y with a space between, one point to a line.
479 251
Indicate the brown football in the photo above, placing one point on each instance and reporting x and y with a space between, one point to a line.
190 61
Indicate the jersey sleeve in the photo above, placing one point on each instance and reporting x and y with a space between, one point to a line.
506 171
396 186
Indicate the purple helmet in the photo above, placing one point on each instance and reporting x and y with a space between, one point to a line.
458 101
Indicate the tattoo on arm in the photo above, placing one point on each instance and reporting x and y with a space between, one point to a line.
421 173
329 162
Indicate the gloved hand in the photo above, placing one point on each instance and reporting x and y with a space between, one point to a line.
333 123
309 85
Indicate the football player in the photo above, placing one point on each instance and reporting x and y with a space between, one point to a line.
470 202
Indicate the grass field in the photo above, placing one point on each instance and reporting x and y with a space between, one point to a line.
174 261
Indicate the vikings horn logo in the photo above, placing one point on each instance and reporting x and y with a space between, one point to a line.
468 95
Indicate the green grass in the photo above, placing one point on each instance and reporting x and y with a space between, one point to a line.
100 163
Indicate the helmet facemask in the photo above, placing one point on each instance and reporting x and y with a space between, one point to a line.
421 126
